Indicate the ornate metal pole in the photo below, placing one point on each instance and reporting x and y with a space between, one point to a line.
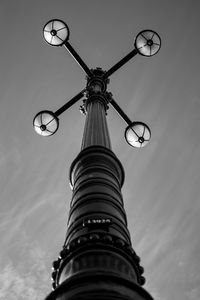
97 259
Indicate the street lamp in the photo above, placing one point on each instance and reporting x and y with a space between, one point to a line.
97 259
56 33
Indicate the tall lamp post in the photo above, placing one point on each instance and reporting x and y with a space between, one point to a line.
97 259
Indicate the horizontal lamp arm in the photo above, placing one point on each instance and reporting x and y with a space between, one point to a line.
121 63
120 112
70 103
78 59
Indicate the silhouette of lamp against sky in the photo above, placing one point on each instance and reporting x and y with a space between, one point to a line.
97 247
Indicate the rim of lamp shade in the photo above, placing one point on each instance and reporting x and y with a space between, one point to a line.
147 42
56 32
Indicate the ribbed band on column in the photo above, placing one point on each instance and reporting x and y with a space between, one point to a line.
96 129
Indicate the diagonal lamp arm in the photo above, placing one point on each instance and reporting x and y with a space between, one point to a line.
120 63
77 58
120 112
70 103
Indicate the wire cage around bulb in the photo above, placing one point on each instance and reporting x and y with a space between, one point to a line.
137 134
147 42
56 32
46 123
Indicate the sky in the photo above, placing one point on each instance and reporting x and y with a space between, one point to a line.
162 187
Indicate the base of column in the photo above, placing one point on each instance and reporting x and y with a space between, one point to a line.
100 286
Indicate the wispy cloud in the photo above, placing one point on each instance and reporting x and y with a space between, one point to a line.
27 277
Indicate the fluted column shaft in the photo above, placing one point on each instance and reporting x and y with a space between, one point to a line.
96 129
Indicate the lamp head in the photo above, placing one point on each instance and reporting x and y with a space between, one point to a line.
56 32
46 123
147 43
137 134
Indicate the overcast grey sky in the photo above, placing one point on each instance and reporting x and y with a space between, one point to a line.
162 186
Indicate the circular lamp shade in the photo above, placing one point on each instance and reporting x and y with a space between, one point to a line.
46 123
147 43
137 134
56 32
